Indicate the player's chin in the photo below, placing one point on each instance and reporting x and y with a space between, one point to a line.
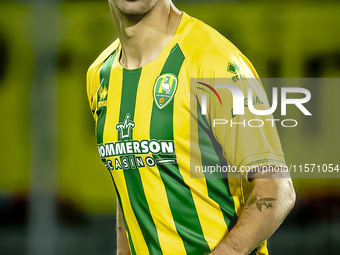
136 7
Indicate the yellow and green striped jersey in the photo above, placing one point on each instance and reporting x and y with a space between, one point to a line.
144 125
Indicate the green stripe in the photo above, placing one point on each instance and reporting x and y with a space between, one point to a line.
217 184
104 82
132 176
105 72
179 195
132 248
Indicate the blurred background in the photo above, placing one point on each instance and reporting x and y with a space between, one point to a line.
56 197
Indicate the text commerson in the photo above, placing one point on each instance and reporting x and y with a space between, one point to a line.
136 147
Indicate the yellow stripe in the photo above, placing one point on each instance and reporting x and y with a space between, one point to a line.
209 213
96 83
154 189
136 234
236 190
110 134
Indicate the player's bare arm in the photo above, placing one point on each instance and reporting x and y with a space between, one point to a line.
269 203
122 242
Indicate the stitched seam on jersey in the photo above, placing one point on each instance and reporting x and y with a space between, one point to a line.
187 32
261 153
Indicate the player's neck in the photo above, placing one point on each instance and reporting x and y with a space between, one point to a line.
144 37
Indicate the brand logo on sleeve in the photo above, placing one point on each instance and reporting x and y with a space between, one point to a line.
233 68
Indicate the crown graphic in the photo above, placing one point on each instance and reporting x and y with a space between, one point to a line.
124 128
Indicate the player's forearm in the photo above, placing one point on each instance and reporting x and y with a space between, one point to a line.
122 242
269 203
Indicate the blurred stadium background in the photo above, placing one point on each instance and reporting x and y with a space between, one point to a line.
55 195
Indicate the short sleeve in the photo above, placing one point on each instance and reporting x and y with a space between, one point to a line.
92 85
93 77
247 140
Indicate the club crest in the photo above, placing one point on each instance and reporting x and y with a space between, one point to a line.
164 89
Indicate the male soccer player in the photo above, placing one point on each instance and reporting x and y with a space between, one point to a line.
149 136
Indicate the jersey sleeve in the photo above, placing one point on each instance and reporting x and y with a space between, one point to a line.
92 86
247 140
93 77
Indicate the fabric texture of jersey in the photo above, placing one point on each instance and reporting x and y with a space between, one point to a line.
149 136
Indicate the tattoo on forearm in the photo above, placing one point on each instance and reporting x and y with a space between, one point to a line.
266 201
120 228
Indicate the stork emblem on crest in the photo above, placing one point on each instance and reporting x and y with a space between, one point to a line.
164 89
